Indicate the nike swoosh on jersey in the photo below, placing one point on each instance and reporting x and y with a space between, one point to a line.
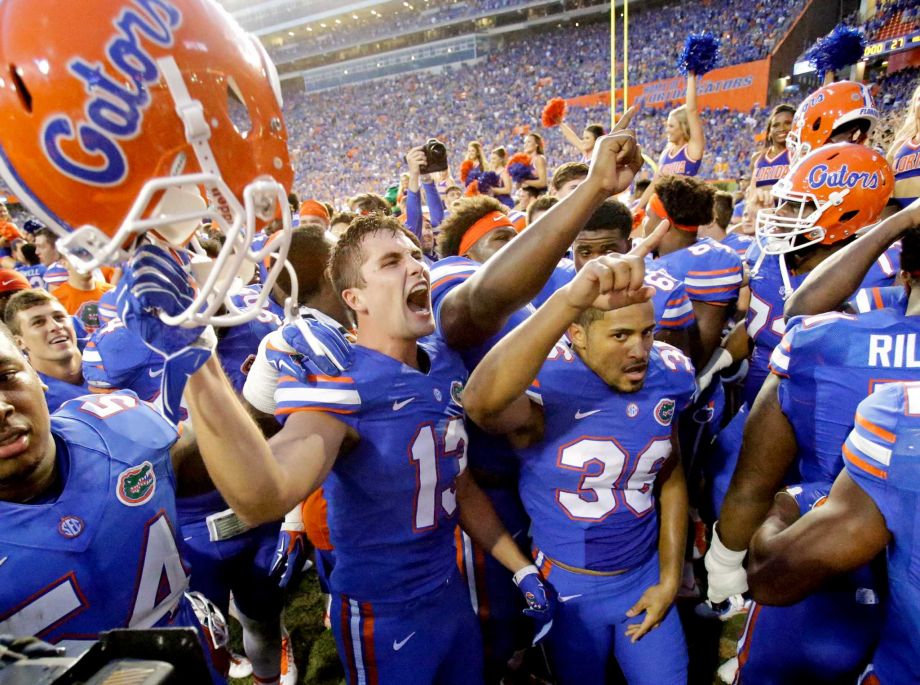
155 374
399 645
399 405
566 598
12 280
3 560
583 415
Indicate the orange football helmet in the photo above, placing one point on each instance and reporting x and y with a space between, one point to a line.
825 197
823 112
147 116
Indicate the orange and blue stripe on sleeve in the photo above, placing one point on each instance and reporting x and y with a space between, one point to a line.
449 275
779 359
333 394
715 285
678 312
869 446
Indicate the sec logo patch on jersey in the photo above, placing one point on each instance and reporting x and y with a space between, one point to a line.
70 526
136 485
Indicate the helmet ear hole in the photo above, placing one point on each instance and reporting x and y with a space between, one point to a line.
25 97
237 109
846 216
817 125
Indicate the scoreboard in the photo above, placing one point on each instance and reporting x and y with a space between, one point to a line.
883 47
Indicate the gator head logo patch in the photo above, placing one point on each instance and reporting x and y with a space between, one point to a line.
136 485
664 411
456 393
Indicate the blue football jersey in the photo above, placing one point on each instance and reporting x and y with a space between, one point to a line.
868 299
34 274
116 358
882 455
827 365
101 553
446 275
764 320
487 453
108 308
561 275
392 503
711 272
237 345
60 391
588 485
739 242
673 308
55 274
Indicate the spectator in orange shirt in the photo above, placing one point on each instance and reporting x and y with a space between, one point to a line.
80 295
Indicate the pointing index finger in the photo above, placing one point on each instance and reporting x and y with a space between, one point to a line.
624 121
650 242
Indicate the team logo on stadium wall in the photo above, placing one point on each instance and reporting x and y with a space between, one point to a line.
664 411
70 526
136 485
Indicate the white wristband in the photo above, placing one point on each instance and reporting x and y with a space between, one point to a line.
721 554
524 572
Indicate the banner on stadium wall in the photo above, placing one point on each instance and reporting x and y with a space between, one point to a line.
737 87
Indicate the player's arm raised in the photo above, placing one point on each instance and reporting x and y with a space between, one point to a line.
791 556
835 279
260 480
476 310
494 396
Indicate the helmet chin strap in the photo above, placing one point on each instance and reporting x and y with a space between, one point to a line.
787 281
236 221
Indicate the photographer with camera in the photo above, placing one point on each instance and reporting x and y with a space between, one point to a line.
423 161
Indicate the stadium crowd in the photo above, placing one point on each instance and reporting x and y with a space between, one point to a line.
537 432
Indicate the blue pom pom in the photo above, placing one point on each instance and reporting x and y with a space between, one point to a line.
521 172
474 175
700 54
840 48
487 181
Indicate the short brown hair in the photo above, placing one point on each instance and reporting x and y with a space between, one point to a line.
369 203
465 212
20 302
687 200
342 218
348 253
723 206
569 171
541 204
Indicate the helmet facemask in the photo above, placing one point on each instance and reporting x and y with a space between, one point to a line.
169 209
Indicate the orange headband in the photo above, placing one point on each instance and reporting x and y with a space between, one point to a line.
489 222
314 208
657 205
